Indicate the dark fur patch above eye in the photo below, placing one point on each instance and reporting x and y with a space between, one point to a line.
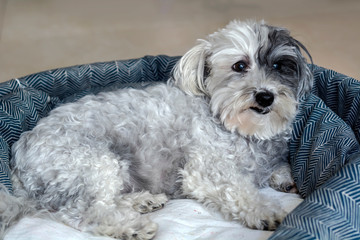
281 54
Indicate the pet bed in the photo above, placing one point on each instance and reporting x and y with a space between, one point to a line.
324 152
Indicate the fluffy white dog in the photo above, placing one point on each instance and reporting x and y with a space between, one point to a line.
216 132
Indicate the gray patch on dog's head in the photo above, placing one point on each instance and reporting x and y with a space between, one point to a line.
281 56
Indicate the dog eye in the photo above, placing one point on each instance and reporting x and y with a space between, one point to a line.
287 66
276 66
240 66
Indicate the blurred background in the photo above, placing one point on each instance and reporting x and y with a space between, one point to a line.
37 35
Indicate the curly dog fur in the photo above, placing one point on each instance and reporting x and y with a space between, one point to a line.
216 132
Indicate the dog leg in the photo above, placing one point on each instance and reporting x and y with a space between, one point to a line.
241 201
95 208
282 180
117 222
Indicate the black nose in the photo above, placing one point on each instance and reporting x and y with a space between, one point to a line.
264 99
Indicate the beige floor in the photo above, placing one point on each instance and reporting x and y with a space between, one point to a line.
37 35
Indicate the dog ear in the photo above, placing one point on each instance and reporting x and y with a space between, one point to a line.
306 81
189 72
306 76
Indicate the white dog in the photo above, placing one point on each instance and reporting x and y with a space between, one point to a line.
216 132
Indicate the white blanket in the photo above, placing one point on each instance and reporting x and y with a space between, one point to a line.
179 220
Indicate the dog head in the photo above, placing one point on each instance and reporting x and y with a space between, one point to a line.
253 74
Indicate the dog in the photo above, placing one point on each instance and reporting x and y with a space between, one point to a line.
216 132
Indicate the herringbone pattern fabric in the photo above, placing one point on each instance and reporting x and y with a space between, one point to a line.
324 149
325 159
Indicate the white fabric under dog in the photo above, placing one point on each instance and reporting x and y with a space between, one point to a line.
181 219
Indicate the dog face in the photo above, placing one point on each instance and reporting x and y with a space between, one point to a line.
253 74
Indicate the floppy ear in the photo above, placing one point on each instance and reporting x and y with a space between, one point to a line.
306 81
189 72
306 77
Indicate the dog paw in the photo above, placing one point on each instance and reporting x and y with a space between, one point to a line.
288 187
284 185
282 180
267 220
126 225
145 232
150 203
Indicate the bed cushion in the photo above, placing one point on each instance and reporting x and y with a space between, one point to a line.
179 219
324 149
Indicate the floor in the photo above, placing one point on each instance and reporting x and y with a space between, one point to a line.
37 35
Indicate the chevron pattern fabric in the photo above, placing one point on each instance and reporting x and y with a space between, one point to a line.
324 149
325 160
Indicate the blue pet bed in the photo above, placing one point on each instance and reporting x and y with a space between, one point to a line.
324 148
